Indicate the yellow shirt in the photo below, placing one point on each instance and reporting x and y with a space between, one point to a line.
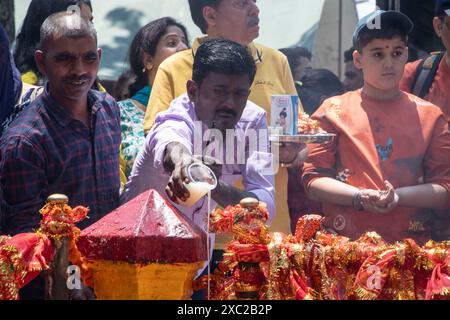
273 76
29 77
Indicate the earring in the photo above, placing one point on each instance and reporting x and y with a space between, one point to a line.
148 67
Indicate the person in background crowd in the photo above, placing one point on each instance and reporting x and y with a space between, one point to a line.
10 82
429 79
317 85
299 61
67 140
26 46
154 43
121 89
390 164
353 77
27 40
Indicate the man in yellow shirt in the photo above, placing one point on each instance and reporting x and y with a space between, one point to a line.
236 20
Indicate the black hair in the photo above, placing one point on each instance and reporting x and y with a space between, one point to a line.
283 113
28 38
442 16
222 56
146 41
293 54
122 86
57 24
196 7
348 55
389 31
317 84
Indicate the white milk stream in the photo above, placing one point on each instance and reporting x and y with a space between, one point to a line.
196 190
208 242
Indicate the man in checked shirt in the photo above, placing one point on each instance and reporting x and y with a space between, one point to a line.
67 140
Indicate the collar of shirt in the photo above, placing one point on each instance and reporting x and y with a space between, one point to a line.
60 114
256 53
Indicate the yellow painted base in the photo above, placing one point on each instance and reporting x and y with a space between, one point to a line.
126 281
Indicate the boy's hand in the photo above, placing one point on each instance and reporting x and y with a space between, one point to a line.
387 196
380 201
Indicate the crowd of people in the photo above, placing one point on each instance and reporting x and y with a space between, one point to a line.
388 170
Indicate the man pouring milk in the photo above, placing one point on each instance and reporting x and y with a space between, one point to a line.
214 119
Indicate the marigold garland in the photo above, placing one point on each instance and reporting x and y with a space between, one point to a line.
24 256
58 222
313 264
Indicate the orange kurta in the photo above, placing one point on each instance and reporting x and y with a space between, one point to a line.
402 141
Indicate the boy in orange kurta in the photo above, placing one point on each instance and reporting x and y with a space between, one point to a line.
391 162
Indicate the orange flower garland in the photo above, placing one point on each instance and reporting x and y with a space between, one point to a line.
306 125
314 264
58 222
24 256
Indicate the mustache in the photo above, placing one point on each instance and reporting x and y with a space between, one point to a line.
227 111
75 78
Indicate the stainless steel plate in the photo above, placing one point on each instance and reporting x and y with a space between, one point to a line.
304 138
